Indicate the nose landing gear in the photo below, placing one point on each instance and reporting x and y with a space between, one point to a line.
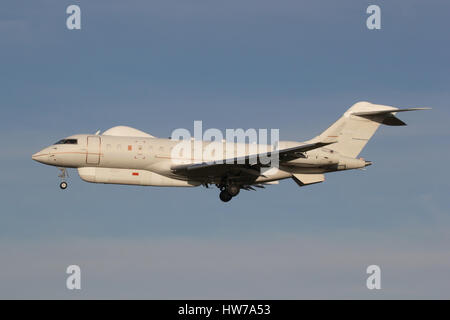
63 175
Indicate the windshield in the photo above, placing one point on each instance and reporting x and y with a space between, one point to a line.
67 141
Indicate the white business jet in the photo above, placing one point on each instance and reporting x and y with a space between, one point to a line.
124 155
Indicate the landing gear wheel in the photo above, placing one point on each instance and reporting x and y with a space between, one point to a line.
63 185
225 196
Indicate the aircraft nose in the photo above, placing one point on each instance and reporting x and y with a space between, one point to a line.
40 156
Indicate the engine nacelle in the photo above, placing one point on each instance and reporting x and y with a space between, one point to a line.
346 163
132 177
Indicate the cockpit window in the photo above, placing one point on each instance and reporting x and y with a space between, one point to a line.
67 141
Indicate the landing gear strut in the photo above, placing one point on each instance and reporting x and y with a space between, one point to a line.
233 189
63 175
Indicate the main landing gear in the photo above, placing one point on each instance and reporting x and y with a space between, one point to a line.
227 192
63 175
225 196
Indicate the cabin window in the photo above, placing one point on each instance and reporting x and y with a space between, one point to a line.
108 147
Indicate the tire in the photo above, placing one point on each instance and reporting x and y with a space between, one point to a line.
63 185
225 196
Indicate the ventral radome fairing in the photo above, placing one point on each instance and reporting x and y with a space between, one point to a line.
125 155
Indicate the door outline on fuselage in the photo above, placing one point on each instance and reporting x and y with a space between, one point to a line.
140 155
93 150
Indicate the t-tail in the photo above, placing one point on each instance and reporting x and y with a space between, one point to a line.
358 124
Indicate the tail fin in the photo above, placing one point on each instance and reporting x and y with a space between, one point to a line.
358 124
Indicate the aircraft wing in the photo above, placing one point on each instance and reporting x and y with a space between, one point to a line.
246 166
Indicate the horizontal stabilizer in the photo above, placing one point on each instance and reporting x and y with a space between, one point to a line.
383 112
386 117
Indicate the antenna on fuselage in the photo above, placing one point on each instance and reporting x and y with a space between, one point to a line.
97 133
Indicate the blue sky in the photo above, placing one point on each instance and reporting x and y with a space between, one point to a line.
160 65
